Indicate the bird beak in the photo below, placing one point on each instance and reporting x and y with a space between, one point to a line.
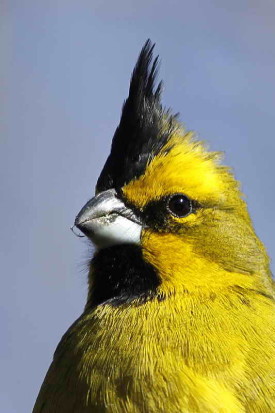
107 221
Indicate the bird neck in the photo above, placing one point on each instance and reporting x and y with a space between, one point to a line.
126 273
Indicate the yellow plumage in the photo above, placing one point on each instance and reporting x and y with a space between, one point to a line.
200 337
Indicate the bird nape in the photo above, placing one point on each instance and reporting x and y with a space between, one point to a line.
180 312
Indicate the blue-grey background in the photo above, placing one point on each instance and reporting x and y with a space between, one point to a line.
65 69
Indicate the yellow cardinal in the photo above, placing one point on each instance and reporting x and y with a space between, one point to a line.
180 312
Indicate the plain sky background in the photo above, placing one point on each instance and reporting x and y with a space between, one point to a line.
65 70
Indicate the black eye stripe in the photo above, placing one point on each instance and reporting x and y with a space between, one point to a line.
156 214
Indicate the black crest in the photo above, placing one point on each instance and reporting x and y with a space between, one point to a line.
144 128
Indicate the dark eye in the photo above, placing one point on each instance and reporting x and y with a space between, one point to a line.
179 205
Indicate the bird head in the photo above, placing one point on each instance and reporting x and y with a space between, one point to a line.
167 216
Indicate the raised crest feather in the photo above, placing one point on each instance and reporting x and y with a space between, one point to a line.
144 76
144 128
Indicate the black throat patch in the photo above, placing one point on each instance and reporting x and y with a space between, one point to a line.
120 275
144 128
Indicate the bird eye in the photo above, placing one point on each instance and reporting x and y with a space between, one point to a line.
179 205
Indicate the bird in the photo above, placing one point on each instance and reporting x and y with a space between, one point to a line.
180 310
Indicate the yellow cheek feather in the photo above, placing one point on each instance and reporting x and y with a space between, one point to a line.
197 255
183 271
182 166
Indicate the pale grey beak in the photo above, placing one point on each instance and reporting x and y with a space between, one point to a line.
107 221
